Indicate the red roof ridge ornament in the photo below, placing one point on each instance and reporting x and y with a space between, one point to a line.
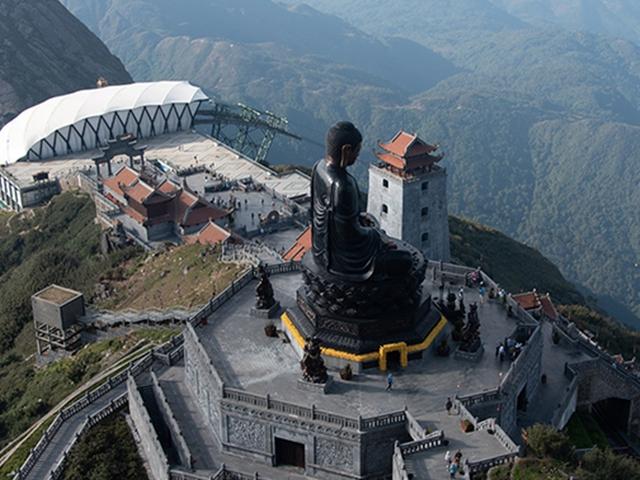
407 152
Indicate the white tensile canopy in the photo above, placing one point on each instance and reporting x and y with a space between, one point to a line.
58 114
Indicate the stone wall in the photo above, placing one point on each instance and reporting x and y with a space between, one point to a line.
415 207
153 451
524 372
203 381
168 418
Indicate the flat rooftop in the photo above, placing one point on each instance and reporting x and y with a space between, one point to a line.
58 295
179 151
248 359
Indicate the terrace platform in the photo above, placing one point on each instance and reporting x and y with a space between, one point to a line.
247 359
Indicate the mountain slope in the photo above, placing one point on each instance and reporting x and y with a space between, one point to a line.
294 61
46 51
493 112
619 18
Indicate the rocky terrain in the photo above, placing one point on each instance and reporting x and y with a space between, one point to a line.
46 51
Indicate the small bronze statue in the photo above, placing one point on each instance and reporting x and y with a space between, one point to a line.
471 334
264 291
312 364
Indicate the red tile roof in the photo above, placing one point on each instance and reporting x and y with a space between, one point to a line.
139 191
548 307
125 177
168 187
406 151
300 247
191 211
407 145
528 300
211 234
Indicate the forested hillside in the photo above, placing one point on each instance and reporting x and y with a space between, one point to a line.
45 51
539 124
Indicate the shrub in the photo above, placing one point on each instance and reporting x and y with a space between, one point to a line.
466 426
546 441
599 463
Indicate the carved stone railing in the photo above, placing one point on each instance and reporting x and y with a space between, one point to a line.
286 267
436 439
312 413
483 465
402 451
504 439
415 430
481 397
148 437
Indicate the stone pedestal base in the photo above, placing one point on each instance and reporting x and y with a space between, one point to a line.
266 312
471 356
315 387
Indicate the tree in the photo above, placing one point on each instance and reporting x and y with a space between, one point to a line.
546 441
599 463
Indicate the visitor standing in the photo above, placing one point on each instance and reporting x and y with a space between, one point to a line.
453 469
448 405
389 381
481 292
501 352
447 458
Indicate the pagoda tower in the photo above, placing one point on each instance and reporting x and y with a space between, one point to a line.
408 194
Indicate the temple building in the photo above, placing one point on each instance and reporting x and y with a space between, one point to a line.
161 211
408 194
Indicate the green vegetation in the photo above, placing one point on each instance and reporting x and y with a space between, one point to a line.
518 267
540 125
584 432
544 441
22 452
59 244
537 469
615 337
108 452
26 394
514 265
184 276
551 457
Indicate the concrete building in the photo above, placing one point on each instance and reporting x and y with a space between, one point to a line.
408 195
83 121
56 311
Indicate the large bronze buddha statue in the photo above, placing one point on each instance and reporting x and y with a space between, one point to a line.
361 288
346 241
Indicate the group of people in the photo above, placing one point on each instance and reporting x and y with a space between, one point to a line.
509 349
454 464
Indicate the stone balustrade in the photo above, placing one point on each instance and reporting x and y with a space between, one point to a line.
114 406
65 414
485 464
416 431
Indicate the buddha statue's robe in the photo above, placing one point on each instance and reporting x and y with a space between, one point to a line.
341 242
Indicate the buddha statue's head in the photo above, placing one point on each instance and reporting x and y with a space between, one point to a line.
343 142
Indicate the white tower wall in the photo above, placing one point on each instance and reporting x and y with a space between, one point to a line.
412 209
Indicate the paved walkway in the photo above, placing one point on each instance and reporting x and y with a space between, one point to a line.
67 432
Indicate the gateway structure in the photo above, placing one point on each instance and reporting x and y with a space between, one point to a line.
85 120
